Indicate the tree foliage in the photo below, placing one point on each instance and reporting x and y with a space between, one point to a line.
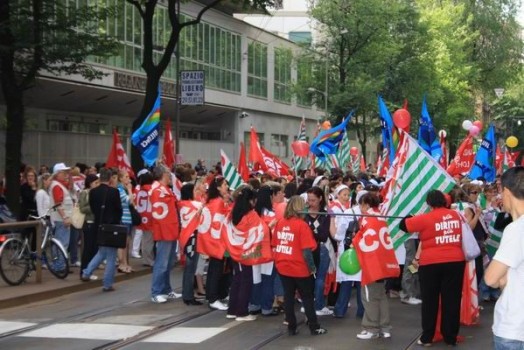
38 35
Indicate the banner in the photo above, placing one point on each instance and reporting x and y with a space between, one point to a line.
168 151
117 157
464 157
145 138
243 170
484 164
230 173
212 218
189 220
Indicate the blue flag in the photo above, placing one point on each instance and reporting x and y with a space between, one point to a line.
427 138
327 141
145 138
484 164
386 124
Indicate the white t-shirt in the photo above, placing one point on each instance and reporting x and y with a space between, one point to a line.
509 318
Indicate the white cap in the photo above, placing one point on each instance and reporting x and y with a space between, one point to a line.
142 172
60 167
340 188
477 182
360 194
318 179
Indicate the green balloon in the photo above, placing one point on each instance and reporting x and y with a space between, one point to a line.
349 262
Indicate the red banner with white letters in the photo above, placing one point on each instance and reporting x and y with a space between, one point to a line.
375 250
463 158
189 220
212 218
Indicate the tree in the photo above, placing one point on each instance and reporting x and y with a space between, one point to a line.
37 35
167 44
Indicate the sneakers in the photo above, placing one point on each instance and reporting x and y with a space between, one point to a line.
324 312
90 278
319 331
367 335
411 301
230 316
419 342
159 299
136 256
77 264
218 305
172 295
302 309
246 318
385 335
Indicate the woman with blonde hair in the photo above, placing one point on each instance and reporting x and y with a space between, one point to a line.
293 244
42 196
126 197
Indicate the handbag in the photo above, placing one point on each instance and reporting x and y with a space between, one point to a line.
111 235
77 218
352 229
136 219
470 246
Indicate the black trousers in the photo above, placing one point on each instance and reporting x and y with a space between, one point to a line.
306 287
90 246
240 290
445 281
218 279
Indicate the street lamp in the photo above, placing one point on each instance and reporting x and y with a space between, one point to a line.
324 93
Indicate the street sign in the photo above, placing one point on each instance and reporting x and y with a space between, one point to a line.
192 87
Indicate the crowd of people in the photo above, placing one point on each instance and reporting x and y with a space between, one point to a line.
307 233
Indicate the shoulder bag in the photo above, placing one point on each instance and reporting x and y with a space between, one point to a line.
77 218
470 246
136 219
111 235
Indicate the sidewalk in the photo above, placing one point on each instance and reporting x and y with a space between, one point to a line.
52 287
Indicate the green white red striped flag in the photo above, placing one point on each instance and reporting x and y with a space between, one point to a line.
229 172
343 151
413 174
300 162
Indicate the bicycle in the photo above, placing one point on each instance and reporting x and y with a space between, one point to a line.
17 260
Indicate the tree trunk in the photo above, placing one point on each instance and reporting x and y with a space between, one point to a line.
13 146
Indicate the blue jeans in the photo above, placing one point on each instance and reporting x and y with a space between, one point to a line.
344 295
164 261
323 266
262 294
109 254
488 292
507 344
278 289
62 233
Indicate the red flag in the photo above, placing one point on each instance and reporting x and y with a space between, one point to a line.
213 216
444 159
375 250
248 242
243 170
117 156
463 159
189 219
255 154
362 163
273 165
169 147
499 158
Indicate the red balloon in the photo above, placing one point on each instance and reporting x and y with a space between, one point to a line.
478 124
402 119
353 151
300 148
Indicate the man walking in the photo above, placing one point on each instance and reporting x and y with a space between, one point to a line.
506 270
165 229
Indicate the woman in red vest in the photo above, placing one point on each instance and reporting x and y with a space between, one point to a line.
441 266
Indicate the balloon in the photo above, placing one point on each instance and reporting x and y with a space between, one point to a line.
442 133
467 124
512 141
326 125
474 130
402 119
349 262
300 148
353 151
478 124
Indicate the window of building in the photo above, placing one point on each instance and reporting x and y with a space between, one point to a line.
300 37
282 84
257 69
279 145
305 78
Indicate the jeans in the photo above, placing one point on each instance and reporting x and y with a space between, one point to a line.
164 261
488 293
189 277
507 344
262 294
109 255
62 233
344 294
323 266
73 244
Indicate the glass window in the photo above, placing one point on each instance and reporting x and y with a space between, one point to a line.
282 82
279 145
257 69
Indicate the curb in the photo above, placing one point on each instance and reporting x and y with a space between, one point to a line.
54 293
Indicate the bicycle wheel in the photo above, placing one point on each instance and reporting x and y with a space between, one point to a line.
14 262
56 260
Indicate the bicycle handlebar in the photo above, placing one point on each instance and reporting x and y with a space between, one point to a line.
53 208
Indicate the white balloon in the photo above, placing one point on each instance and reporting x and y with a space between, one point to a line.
467 124
442 133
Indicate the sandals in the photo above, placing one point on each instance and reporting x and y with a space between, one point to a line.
125 269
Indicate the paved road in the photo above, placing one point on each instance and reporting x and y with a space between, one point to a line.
126 319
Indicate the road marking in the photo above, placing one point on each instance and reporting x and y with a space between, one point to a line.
186 335
100 331
10 326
